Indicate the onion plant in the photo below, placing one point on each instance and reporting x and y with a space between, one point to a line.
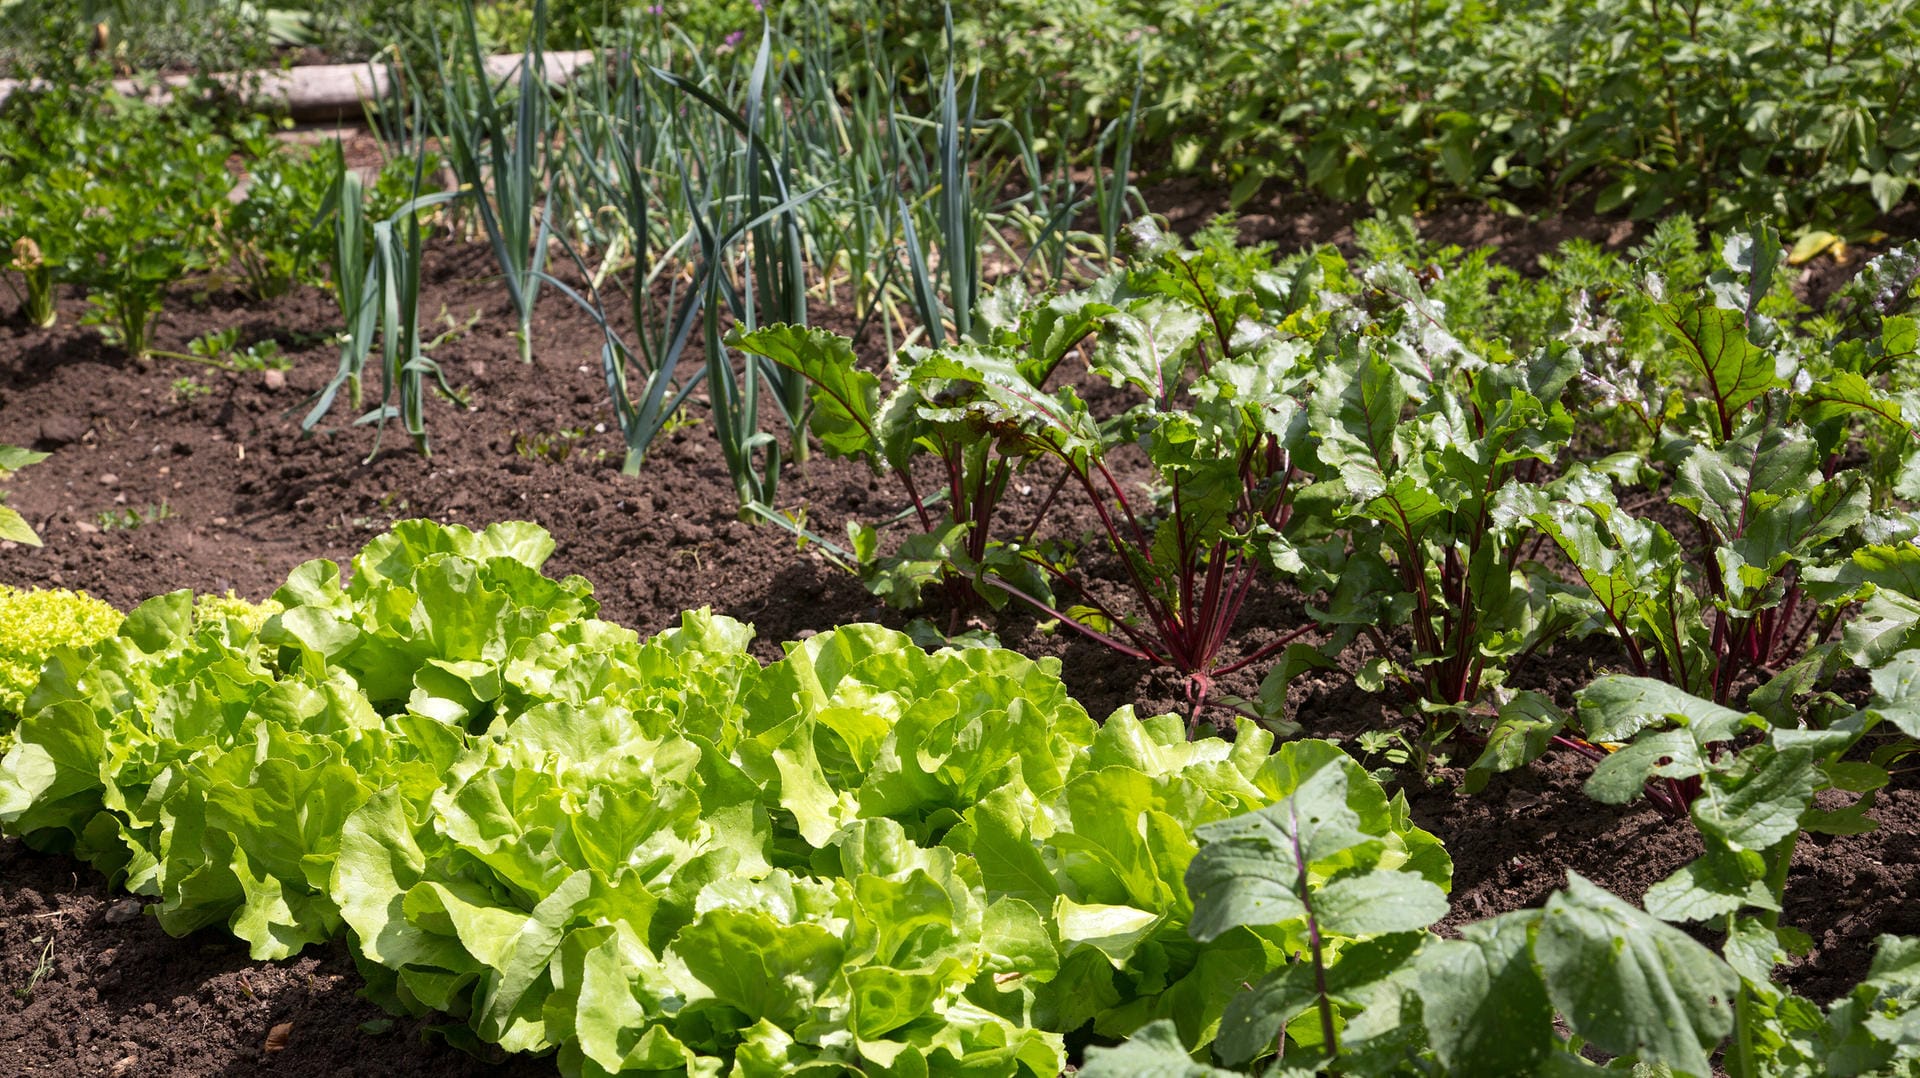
500 154
348 202
843 143
376 277
751 262
619 140
942 239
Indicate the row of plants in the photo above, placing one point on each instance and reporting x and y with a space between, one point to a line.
124 201
688 193
1718 107
1805 112
806 168
99 38
752 168
1404 452
661 856
783 174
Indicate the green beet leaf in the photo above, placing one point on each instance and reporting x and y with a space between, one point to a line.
1485 1006
1631 984
1251 870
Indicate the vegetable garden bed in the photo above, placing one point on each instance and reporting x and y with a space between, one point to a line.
797 557
246 500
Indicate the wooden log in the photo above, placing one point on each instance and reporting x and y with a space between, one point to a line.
328 91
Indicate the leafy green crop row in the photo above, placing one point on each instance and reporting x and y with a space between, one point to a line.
1802 111
1401 443
124 200
1808 112
652 854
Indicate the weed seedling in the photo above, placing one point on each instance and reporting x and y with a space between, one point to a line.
128 519
555 446
40 970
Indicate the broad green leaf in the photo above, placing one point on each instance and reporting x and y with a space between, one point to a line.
1631 984
160 624
15 529
1615 707
1356 420
1251 869
1719 882
1153 1052
845 398
13 458
763 968
983 385
1254 1018
1844 394
1486 1008
1520 735
1896 690
1114 931
1728 485
1884 626
1758 801
1051 329
1147 345
1714 341
996 835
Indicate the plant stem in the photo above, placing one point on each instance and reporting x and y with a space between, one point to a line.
1744 1063
1324 1000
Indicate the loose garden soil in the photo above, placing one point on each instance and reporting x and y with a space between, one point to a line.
234 497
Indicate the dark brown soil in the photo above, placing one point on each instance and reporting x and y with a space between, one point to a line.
232 496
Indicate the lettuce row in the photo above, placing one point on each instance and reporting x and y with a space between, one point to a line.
657 855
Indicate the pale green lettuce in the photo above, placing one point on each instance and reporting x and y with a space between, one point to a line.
657 855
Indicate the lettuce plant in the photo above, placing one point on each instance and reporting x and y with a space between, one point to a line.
33 624
653 855
206 754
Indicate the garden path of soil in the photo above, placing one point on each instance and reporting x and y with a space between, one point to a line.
246 499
